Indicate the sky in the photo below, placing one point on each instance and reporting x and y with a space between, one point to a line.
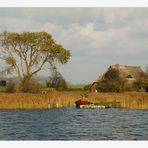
97 37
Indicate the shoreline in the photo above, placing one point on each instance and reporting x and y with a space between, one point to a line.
57 100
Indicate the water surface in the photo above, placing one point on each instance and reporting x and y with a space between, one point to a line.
74 124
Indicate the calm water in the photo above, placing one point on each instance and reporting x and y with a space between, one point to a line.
74 124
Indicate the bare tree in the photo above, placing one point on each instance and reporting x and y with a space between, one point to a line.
56 80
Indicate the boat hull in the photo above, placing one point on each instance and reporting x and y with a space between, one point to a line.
86 104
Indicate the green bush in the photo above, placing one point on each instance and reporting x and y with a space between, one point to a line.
3 88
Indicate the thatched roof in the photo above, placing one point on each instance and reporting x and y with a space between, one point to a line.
134 72
127 72
98 79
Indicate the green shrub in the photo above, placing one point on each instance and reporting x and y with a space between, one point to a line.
3 88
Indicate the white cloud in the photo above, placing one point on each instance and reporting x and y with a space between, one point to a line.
97 37
86 37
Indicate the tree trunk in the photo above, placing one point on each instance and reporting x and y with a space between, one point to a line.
26 78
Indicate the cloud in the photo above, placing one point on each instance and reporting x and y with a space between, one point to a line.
97 37
87 39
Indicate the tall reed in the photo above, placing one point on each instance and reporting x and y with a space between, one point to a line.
131 100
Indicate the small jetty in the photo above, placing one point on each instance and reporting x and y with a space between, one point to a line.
91 105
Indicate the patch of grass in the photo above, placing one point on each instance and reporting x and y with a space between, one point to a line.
2 88
75 86
104 104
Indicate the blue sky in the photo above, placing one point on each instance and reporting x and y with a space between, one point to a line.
97 37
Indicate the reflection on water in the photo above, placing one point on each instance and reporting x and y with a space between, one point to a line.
74 124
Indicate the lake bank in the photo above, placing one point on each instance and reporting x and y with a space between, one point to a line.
130 100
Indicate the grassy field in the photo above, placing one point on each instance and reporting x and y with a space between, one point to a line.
130 100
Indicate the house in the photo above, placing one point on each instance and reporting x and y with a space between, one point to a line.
128 73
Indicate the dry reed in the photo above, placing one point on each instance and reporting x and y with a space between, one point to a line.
131 100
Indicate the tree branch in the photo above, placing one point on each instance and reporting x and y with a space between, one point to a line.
40 67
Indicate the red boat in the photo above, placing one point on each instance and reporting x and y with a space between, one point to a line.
82 102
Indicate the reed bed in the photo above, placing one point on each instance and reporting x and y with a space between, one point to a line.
130 100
